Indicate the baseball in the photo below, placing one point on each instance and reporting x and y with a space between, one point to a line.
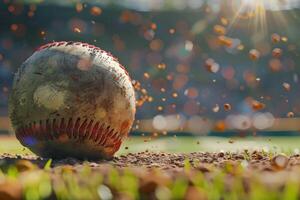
72 99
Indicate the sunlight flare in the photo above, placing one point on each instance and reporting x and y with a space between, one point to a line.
255 12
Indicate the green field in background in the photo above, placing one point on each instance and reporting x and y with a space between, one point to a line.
185 144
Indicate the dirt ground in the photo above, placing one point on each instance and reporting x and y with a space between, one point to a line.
154 170
203 161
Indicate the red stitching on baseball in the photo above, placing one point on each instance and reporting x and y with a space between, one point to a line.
81 129
37 129
103 136
108 135
54 127
92 136
43 128
98 133
88 129
69 127
75 129
62 125
48 128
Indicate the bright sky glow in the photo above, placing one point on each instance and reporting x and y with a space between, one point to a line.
256 11
272 4
147 5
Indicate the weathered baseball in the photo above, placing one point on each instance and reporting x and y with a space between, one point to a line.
72 99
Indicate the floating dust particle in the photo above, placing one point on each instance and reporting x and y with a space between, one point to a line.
170 77
135 127
162 89
11 8
191 92
277 53
150 99
275 38
240 47
220 30
224 21
290 114
163 99
286 86
95 10
216 108
175 95
144 94
171 30
77 30
42 33
256 105
146 75
284 39
136 84
207 9
161 66
220 126
30 14
14 27
153 26
227 107
212 66
139 102
5 89
143 91
159 108
225 41
32 7
254 54
79 7
275 65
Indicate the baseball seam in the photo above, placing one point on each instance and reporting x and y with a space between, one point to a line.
86 45
76 129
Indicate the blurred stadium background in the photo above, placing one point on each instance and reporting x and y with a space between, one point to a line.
187 80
